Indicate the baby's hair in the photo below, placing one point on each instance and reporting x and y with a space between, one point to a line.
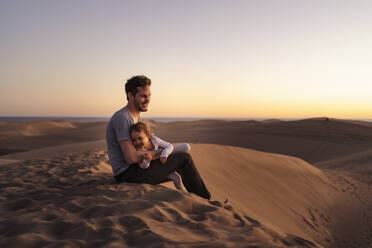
141 126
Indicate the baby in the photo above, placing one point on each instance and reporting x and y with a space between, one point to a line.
144 139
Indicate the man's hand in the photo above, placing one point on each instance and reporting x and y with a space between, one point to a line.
133 156
163 159
155 154
147 157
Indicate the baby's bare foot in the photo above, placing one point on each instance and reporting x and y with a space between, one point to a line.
176 178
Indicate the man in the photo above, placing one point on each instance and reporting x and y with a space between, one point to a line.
123 156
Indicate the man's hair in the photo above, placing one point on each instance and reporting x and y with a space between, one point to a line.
141 126
134 82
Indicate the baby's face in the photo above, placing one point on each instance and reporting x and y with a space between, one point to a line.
140 139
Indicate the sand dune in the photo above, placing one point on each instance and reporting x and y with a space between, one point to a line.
313 140
358 162
21 137
59 190
34 128
45 127
61 150
274 201
285 193
72 201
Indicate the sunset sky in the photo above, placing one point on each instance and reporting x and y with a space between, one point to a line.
279 58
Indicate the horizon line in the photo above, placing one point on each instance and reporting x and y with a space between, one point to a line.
182 117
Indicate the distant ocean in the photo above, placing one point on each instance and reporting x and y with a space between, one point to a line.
157 119
51 118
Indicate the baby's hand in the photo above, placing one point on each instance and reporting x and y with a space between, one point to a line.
163 159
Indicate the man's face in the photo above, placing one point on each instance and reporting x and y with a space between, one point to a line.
142 99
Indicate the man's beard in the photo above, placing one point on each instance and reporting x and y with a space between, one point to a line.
139 107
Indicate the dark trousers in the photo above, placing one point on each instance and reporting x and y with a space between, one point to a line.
158 173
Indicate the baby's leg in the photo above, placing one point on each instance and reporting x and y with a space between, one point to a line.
177 180
184 147
175 177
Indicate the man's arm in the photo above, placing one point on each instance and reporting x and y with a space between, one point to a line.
133 156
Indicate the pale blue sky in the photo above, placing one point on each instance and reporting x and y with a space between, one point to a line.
205 58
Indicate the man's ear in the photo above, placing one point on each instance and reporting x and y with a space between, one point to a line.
130 96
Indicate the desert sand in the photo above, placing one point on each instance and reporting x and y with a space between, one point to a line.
274 183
